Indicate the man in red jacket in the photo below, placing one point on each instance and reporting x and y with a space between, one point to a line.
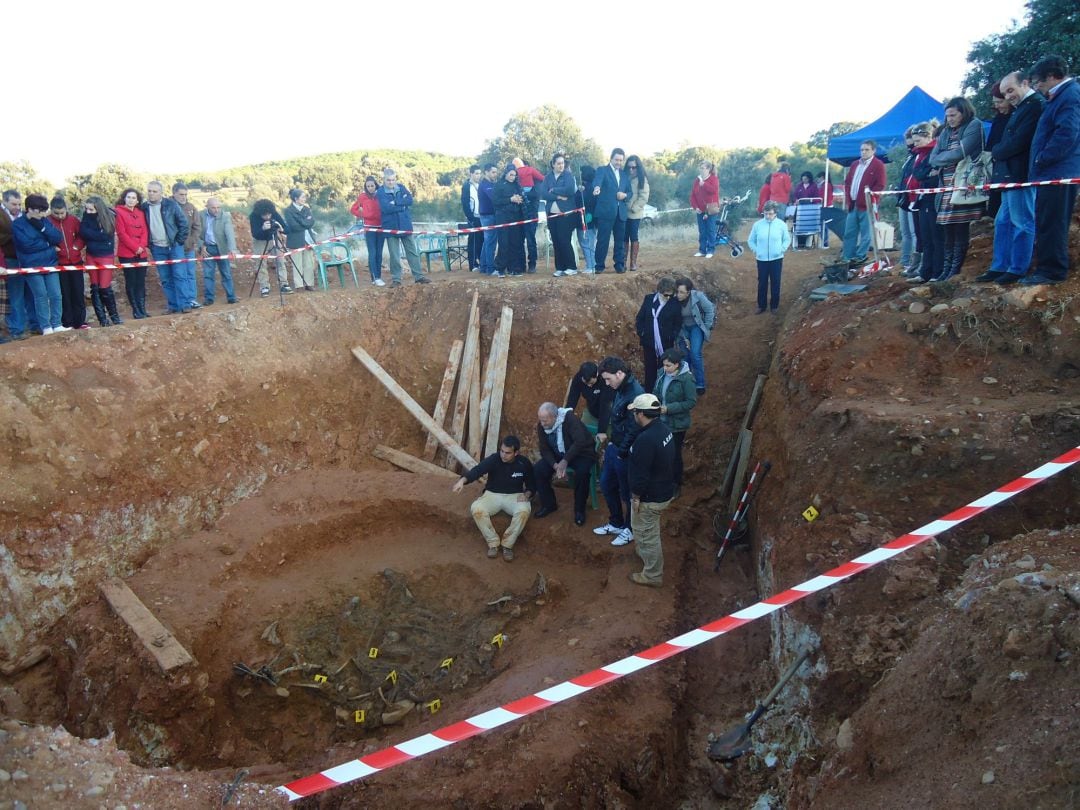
867 173
69 251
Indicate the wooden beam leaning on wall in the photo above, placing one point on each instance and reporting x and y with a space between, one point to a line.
410 463
470 361
502 338
441 404
413 407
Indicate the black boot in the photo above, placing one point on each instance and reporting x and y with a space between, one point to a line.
958 259
946 266
99 309
108 297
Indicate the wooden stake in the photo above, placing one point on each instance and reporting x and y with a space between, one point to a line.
159 642
470 360
740 472
439 414
475 444
410 463
495 415
489 384
755 401
413 407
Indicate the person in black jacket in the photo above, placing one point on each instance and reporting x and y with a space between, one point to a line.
470 208
1014 225
586 231
565 443
658 323
619 426
1002 113
652 461
510 486
587 383
268 238
299 228
509 207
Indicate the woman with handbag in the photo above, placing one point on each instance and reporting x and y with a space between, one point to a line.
705 200
961 138
929 239
640 184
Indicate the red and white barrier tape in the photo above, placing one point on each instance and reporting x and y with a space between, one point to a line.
280 254
427 743
1068 181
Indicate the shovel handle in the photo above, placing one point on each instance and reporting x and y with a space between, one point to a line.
783 681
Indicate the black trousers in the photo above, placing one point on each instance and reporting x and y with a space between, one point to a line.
1053 213
475 244
72 291
677 468
511 255
931 239
562 230
581 466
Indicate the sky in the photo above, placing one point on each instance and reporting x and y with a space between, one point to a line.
173 88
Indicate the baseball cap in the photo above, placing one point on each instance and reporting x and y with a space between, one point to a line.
644 402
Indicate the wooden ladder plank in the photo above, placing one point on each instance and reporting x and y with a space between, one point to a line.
413 407
441 404
470 360
496 404
410 463
159 642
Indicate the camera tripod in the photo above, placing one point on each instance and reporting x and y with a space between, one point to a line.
273 248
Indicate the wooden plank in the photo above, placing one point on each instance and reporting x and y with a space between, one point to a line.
469 360
489 384
729 473
410 463
477 444
495 416
159 642
739 481
439 414
755 401
413 407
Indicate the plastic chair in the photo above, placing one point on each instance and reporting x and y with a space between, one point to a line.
428 244
807 222
335 254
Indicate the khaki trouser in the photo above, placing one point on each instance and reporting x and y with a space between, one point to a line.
264 246
303 274
491 503
645 521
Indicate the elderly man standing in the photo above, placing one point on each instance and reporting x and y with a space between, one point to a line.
565 444
168 232
1014 225
184 274
218 241
1055 155
395 203
651 465
868 172
509 489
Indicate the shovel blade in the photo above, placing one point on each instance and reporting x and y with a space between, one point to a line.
731 745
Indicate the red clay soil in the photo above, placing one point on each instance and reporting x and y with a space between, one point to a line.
221 463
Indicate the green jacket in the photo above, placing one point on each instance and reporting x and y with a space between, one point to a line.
679 399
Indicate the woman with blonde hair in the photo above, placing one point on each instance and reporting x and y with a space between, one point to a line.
98 230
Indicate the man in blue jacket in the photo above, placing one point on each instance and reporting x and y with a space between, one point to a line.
394 203
35 246
168 228
611 188
487 219
1055 154
1014 225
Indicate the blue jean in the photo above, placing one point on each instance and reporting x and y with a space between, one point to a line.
706 229
856 234
45 291
213 264
16 316
615 484
491 238
907 236
1014 232
374 253
692 341
633 229
167 274
184 278
587 240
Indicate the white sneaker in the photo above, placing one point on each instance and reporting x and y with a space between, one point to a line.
285 288
570 272
708 255
607 528
265 291
558 273
61 329
624 538
698 255
379 282
589 271
48 330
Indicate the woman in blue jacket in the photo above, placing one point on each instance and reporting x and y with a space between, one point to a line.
35 244
769 239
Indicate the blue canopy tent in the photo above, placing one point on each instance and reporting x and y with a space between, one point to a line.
888 130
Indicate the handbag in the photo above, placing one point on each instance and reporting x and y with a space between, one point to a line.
972 170
712 208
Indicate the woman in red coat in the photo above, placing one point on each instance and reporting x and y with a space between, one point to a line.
133 246
366 208
705 200
780 186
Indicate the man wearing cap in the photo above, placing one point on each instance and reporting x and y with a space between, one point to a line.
652 486
509 489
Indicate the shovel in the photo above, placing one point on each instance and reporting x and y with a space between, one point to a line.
734 743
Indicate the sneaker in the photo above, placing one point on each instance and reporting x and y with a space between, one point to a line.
588 271
285 288
570 272
195 305
85 326
48 330
379 282
608 528
708 255
492 552
395 283
624 538
698 255
497 274
423 280
265 291
558 274
61 329
231 301
508 554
